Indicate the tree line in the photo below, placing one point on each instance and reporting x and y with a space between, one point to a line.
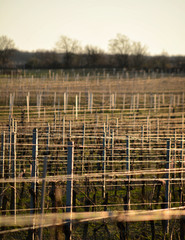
68 53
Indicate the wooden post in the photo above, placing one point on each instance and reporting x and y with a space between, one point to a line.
163 97
112 150
167 188
148 128
174 154
79 100
154 102
43 197
28 106
48 138
128 170
34 169
83 145
44 114
134 118
2 165
11 129
63 132
142 136
117 126
55 120
134 102
151 100
65 101
182 165
34 175
137 100
13 170
54 100
91 102
157 129
69 188
39 103
104 164
158 107
76 106
123 101
103 99
114 99
11 105
88 101
70 129
144 101
182 121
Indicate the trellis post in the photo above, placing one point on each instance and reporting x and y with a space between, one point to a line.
167 188
2 165
104 163
69 188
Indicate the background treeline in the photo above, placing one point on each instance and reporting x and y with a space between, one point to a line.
54 60
68 53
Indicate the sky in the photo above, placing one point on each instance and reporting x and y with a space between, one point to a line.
38 24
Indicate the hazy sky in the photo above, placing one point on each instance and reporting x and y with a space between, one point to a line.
38 24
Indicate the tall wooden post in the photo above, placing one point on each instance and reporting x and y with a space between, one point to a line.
148 128
117 127
91 102
128 170
11 105
142 136
11 129
13 173
63 132
104 164
70 129
34 169
182 163
65 101
144 101
76 106
28 106
123 101
167 188
83 146
2 165
43 197
112 149
155 102
34 175
48 138
157 129
69 188
103 99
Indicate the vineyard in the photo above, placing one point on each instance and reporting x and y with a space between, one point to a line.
89 155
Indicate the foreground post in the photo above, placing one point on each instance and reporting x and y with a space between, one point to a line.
2 166
28 105
167 190
128 170
34 175
104 163
43 196
69 188
13 170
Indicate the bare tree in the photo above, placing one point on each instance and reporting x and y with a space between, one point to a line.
7 47
93 55
69 47
139 52
121 47
138 48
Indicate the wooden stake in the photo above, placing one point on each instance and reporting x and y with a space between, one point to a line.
69 188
